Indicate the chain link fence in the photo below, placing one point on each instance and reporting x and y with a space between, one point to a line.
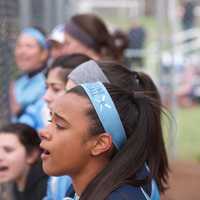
15 15
9 13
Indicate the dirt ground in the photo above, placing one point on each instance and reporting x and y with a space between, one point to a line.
184 181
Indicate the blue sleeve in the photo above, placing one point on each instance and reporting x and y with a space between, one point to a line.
32 115
28 90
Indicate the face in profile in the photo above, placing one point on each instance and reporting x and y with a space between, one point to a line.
55 85
14 160
72 46
66 142
29 56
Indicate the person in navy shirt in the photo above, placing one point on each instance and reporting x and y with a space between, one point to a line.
117 74
105 132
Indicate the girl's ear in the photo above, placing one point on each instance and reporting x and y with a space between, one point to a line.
101 144
33 156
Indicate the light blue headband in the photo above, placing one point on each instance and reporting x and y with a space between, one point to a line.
37 35
106 111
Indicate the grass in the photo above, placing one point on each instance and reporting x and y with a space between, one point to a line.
188 133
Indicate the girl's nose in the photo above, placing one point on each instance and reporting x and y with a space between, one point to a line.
2 155
48 96
44 134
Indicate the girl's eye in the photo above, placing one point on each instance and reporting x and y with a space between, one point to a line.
56 90
59 127
49 120
56 125
9 149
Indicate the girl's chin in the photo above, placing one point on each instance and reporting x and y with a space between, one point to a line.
48 170
6 179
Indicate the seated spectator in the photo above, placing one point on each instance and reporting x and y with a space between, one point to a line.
110 72
20 162
105 162
30 55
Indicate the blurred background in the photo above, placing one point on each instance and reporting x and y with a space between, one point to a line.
168 48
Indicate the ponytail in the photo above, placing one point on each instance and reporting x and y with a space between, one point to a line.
145 83
159 167
140 117
114 46
92 32
121 43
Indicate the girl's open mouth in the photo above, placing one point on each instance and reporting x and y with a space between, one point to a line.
45 154
3 168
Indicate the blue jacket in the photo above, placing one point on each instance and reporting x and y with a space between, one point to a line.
128 192
33 115
125 192
29 89
29 92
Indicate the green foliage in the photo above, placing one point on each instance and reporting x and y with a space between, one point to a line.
188 138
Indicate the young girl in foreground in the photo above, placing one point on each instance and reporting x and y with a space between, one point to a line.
20 162
116 74
105 132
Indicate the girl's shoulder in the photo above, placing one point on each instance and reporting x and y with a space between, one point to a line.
128 192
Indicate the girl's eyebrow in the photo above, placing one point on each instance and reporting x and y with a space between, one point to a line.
55 83
57 116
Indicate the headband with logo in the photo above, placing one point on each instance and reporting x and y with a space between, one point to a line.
106 111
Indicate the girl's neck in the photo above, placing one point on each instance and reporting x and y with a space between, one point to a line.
21 181
36 71
81 180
